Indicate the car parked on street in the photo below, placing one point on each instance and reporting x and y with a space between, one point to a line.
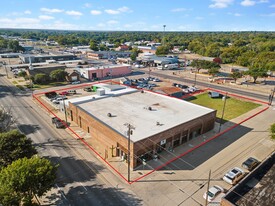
58 122
213 192
234 176
76 82
250 163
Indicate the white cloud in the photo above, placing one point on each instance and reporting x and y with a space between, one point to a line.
199 18
110 11
124 9
235 14
74 13
19 23
272 6
45 17
112 22
263 1
118 11
27 12
51 10
96 12
101 25
248 3
269 15
219 4
178 9
128 25
87 5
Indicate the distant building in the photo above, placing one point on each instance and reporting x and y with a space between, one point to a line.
36 58
101 72
122 48
73 76
147 49
107 54
170 91
105 115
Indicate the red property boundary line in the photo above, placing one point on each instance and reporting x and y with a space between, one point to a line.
168 162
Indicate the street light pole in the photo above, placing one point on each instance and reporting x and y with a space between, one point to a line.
129 132
225 97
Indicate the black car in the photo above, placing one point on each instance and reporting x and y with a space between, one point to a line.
58 122
250 163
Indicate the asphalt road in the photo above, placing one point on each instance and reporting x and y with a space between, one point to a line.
262 97
82 180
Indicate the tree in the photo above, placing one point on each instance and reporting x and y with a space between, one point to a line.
22 74
135 51
58 75
26 178
203 64
272 131
236 75
93 45
6 119
14 145
41 78
213 71
163 50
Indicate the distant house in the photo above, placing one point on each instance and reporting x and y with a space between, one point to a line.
122 48
73 76
170 91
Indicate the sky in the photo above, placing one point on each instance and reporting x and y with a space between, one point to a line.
139 15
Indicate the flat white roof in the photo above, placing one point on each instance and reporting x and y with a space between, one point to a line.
131 106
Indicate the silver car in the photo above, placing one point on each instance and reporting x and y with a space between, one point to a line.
234 176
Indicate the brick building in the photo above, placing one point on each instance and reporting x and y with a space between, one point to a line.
160 122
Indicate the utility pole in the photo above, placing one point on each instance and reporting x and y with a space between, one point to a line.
64 107
4 63
208 183
224 97
129 133
270 99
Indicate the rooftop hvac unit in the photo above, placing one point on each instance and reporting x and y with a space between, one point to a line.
100 92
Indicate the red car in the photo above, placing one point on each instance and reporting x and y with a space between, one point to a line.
63 93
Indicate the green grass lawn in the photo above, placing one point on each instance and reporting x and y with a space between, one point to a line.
233 108
52 84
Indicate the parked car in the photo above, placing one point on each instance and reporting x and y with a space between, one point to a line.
76 82
250 163
72 91
50 95
213 192
58 99
63 93
234 176
156 80
139 66
87 89
214 94
58 122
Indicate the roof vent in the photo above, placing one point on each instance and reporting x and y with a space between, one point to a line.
142 91
158 123
109 115
150 108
